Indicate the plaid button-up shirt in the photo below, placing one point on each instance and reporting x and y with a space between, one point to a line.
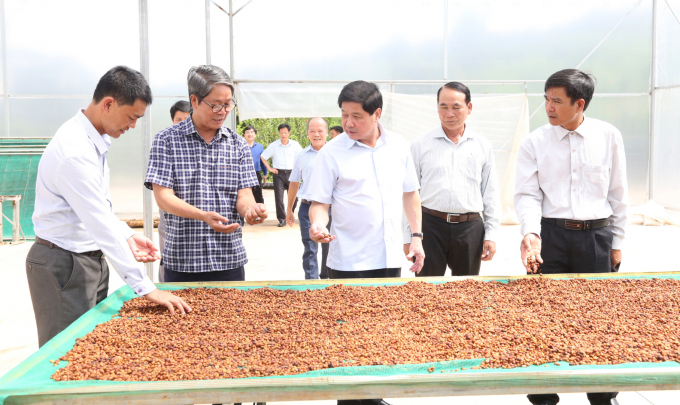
207 176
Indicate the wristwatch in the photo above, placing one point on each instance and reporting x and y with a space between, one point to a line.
417 235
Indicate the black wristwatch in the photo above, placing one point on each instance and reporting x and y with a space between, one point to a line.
417 234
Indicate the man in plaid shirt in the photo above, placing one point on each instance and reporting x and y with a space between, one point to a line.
201 174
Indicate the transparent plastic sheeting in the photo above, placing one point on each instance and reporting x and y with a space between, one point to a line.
504 120
667 148
668 43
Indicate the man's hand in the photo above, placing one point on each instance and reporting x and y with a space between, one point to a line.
256 214
615 257
169 300
415 250
320 234
530 248
275 171
143 249
290 218
488 251
219 223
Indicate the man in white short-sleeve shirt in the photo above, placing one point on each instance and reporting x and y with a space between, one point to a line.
367 175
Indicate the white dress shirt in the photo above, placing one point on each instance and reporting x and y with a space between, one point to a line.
365 187
457 178
73 206
283 156
302 171
577 174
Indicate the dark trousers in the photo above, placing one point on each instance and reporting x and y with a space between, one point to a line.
281 184
63 285
257 190
310 262
378 273
237 274
566 251
458 245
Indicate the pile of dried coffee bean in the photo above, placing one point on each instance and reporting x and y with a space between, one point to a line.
235 333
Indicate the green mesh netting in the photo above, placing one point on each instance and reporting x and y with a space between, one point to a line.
32 376
18 173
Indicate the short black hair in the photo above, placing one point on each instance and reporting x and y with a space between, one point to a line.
181 105
125 85
365 93
337 129
284 125
577 84
249 127
459 87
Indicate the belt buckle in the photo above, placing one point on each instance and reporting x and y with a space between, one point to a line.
448 218
574 225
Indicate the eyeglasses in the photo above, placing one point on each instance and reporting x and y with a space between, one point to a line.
218 107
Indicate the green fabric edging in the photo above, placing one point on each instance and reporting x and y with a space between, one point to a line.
33 375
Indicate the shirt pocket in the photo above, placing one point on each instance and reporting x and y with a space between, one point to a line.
473 168
598 180
226 172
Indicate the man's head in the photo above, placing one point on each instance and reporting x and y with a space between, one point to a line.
335 131
250 133
211 93
567 95
454 104
317 132
121 98
361 105
284 132
180 111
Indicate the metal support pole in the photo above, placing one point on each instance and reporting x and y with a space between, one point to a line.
446 39
652 106
232 116
146 126
5 91
208 47
16 219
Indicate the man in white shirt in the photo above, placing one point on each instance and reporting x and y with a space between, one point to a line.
283 154
366 175
457 174
317 132
571 189
73 218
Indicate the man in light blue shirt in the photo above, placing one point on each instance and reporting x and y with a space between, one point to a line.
282 153
317 132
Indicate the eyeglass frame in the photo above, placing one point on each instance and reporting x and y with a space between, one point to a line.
222 106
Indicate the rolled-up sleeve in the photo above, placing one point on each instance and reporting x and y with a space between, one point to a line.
160 168
528 194
83 194
617 195
296 173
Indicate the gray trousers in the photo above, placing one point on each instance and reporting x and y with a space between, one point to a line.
64 285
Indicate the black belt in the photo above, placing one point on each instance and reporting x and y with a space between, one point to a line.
283 171
577 225
453 218
94 253
305 201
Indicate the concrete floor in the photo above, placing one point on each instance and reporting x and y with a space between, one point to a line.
276 254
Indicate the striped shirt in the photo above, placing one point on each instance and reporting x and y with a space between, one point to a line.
207 176
73 206
457 178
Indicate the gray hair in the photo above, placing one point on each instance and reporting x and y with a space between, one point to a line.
202 79
317 118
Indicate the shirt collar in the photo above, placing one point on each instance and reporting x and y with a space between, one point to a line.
467 134
382 139
584 129
187 127
101 142
309 148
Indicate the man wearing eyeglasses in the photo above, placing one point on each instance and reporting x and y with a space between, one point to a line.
201 174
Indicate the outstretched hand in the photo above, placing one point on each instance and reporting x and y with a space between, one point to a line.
169 300
320 234
219 223
530 249
143 249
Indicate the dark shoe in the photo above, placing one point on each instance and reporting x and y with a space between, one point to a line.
282 223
